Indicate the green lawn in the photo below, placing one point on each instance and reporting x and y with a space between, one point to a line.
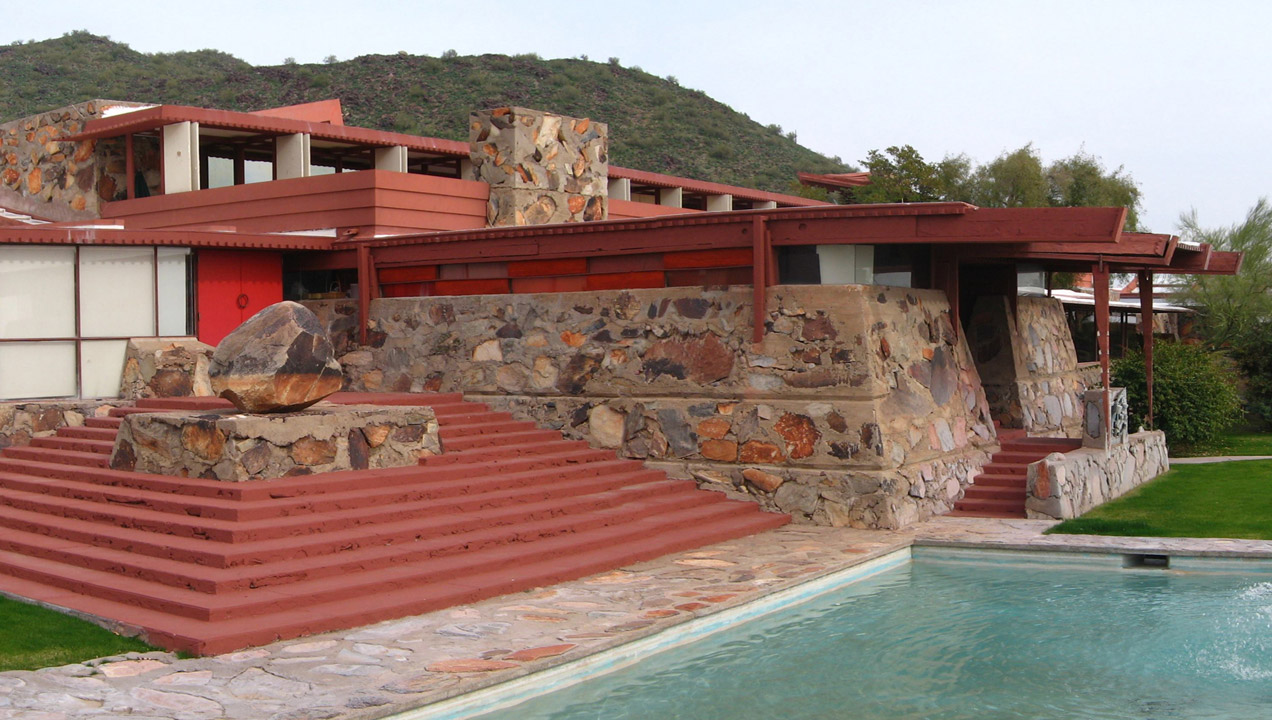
1238 443
33 637
1232 500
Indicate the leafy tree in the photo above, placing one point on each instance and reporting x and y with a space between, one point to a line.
1081 181
900 174
1015 179
1234 309
1194 392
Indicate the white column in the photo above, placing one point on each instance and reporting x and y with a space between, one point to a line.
391 158
671 197
180 157
719 203
466 170
764 205
620 189
291 156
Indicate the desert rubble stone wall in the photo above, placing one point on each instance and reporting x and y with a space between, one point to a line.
1062 486
1028 365
860 407
44 174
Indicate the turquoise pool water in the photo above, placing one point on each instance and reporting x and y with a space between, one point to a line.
956 635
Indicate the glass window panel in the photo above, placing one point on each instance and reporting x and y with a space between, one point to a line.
174 291
37 292
838 264
101 365
37 370
117 292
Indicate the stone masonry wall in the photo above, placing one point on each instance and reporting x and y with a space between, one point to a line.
1062 486
43 174
870 414
1028 364
21 421
541 167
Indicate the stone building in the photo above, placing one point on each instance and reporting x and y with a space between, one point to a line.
844 364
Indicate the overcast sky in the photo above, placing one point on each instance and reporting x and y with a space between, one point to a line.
1177 93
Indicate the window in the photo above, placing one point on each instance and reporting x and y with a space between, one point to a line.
66 314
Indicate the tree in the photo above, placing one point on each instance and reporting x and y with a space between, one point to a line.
1014 179
900 174
1081 181
1234 309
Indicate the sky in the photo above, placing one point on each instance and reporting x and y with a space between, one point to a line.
1178 94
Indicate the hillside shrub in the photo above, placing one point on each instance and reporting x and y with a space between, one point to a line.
1194 392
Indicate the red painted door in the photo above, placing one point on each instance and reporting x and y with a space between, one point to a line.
234 285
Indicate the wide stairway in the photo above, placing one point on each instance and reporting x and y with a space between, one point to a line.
999 490
208 566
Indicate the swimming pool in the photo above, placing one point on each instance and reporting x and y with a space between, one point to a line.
971 634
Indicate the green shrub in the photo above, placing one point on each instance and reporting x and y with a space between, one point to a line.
1254 358
1194 392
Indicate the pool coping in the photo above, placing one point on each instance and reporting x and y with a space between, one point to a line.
409 668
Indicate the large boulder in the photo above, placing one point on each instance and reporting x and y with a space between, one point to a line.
279 360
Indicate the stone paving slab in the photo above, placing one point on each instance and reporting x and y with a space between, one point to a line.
1216 459
390 667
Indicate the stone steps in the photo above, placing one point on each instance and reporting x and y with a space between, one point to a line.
209 566
1000 488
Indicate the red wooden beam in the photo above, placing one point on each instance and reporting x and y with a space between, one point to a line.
759 276
1146 328
1100 281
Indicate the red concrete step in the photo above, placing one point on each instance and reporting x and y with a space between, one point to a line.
587 461
153 495
992 480
88 433
1016 508
984 492
51 455
1021 458
103 447
500 440
450 431
103 422
340 586
488 528
1000 468
209 638
510 451
375 398
1042 445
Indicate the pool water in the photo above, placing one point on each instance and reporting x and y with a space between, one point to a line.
952 635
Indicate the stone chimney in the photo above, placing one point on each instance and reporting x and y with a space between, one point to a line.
542 167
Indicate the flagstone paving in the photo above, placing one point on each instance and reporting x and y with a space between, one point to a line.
397 665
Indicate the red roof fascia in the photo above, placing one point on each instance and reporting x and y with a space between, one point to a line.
88 235
644 177
266 123
323 111
151 118
835 181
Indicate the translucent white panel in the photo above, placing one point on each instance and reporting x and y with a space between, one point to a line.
255 171
37 370
37 292
174 291
838 264
220 172
117 292
101 365
865 266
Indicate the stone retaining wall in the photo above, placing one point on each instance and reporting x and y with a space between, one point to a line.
166 367
21 421
860 407
1028 364
43 174
1062 486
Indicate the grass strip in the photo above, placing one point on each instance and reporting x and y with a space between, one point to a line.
1222 500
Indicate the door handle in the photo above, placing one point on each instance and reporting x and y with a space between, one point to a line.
242 301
